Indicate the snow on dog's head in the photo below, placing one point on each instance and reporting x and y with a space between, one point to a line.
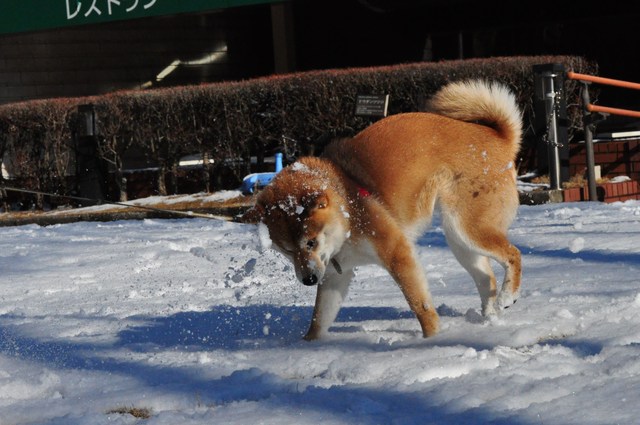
304 217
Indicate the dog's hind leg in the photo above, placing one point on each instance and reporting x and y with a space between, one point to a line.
331 292
478 267
510 259
496 245
491 242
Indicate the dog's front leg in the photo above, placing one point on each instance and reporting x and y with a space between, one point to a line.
331 292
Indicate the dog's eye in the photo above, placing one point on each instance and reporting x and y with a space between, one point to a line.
311 244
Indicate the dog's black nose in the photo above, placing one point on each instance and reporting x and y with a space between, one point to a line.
310 280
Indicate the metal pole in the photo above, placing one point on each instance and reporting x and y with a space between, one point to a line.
587 120
553 151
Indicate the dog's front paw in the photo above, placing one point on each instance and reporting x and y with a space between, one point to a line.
309 337
312 334
506 299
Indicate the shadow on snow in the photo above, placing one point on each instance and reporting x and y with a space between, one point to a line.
229 327
232 328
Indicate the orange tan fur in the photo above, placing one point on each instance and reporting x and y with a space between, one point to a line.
368 198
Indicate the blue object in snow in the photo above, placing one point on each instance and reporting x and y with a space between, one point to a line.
259 180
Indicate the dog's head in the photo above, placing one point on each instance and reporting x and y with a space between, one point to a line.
306 219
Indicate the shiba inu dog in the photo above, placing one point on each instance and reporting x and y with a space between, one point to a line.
368 198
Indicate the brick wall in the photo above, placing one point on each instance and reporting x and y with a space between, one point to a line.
607 192
619 158
615 158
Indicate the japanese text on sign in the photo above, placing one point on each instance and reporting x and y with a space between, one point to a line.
372 105
86 8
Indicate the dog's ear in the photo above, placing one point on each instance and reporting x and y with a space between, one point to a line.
254 215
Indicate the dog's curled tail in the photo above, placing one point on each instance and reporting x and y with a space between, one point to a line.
480 101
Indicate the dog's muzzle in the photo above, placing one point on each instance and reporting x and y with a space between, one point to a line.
310 280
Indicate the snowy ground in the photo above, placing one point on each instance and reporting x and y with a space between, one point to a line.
189 319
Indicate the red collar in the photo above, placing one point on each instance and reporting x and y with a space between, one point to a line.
363 192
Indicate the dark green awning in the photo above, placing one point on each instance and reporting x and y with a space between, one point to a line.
33 15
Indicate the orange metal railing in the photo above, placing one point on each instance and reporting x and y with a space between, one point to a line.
601 80
589 121
609 82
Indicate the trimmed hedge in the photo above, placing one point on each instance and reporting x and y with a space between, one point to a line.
297 113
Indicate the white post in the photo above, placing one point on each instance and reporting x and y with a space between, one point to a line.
553 151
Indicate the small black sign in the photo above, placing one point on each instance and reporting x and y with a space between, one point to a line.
372 105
